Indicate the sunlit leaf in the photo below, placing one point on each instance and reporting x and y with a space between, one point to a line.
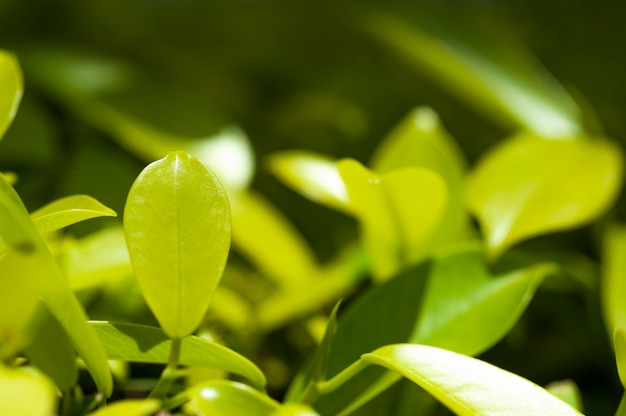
26 393
294 409
399 213
67 211
520 189
177 225
613 283
129 407
465 385
228 398
12 89
499 77
146 344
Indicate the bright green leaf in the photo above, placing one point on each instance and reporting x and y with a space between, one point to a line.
568 391
146 344
294 409
620 352
177 225
26 393
228 398
465 385
399 213
67 211
129 407
12 89
520 189
613 288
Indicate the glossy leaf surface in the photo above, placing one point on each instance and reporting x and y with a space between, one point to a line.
520 189
399 213
294 409
468 386
146 344
177 225
12 89
228 398
26 393
613 283
129 407
67 211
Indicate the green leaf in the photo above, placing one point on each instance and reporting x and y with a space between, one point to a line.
314 176
67 211
146 344
613 288
465 385
420 140
620 352
12 89
294 409
568 391
26 393
129 407
520 189
177 225
399 213
497 76
466 309
228 398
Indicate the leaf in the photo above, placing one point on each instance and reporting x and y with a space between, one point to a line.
229 398
465 385
568 391
466 309
294 409
499 77
177 225
520 189
146 344
399 213
26 393
613 288
67 211
129 407
12 89
620 352
312 175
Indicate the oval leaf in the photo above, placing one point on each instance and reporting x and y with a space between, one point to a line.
520 189
26 393
129 407
228 398
177 225
294 409
468 386
146 344
12 89
67 211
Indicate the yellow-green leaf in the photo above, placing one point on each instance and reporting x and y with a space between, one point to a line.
620 352
468 386
67 211
529 186
26 393
177 225
294 409
613 288
12 89
228 398
129 407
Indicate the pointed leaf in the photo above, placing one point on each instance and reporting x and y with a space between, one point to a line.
12 89
465 385
67 211
146 344
520 189
228 398
129 407
177 225
26 393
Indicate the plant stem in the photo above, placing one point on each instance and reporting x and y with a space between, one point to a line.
169 373
325 387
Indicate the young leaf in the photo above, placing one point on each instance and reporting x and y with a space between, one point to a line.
12 89
146 344
26 393
613 288
399 213
228 398
67 211
465 385
177 225
129 407
520 189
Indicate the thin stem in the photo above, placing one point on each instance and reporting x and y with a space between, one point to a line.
325 387
169 373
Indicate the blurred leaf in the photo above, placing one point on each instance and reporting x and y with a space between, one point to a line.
568 391
399 213
620 352
232 308
467 386
129 407
177 225
263 234
67 211
613 283
294 409
499 77
146 344
12 89
520 189
421 141
26 393
315 176
228 398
